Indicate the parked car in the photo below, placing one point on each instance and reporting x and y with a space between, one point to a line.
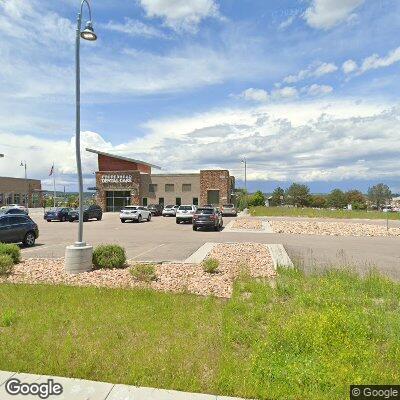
17 228
13 211
169 211
229 209
155 209
207 217
57 214
185 213
15 207
135 214
89 212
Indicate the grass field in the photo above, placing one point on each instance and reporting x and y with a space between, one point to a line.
307 338
321 213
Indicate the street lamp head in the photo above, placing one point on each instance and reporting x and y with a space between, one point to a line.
88 32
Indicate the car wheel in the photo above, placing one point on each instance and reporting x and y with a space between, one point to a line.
194 228
216 228
123 220
149 218
177 221
99 218
49 220
29 239
63 219
139 219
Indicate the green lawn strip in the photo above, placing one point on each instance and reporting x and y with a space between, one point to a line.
321 213
310 337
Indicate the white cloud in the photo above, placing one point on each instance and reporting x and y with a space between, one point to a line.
286 92
314 70
135 28
349 66
257 95
374 61
318 90
287 22
181 15
325 14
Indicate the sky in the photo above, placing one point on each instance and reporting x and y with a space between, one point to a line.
306 90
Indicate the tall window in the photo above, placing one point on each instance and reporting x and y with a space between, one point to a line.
178 201
186 187
145 201
195 201
152 188
161 201
169 187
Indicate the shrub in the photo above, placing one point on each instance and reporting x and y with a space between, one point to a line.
12 250
210 265
6 264
8 318
109 256
144 272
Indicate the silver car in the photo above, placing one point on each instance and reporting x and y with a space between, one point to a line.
169 211
229 209
135 214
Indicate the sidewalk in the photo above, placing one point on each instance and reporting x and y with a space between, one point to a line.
78 389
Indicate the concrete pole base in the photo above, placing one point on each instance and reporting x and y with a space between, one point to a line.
78 259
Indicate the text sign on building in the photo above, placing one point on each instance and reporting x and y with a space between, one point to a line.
116 178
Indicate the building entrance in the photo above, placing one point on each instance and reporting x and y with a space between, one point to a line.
117 199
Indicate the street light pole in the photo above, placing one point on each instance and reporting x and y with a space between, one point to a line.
244 161
78 258
23 164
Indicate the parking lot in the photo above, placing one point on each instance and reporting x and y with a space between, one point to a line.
163 240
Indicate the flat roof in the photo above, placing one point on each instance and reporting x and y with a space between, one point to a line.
122 158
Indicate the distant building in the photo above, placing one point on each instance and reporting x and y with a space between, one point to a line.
20 191
121 181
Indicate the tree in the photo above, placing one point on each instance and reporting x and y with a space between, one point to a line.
379 194
298 195
318 201
257 199
278 196
356 199
336 199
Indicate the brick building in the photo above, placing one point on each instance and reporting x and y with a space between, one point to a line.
121 181
20 191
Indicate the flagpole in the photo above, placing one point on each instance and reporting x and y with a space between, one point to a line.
54 186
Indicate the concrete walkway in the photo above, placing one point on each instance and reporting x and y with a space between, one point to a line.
78 389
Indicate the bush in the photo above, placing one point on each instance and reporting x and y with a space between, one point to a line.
210 265
8 318
6 264
12 250
144 272
109 256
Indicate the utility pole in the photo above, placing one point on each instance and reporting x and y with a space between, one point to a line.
244 161
23 164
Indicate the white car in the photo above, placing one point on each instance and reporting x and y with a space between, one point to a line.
169 211
135 213
185 213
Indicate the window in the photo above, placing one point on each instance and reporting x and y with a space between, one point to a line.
178 201
186 187
144 201
161 201
152 188
195 201
169 187
17 198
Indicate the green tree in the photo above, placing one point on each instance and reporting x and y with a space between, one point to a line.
278 197
379 194
318 201
356 199
298 195
257 199
336 199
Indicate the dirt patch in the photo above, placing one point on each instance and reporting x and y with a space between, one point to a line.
254 258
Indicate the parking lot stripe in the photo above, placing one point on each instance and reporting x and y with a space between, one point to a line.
148 251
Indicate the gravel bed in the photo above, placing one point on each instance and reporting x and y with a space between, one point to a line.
331 228
247 223
172 277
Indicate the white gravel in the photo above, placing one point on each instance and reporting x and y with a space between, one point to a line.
331 228
247 223
234 258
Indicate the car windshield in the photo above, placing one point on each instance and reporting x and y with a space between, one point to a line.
204 211
170 206
228 205
185 208
55 209
130 208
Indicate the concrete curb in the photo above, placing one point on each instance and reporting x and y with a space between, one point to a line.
79 389
279 256
200 254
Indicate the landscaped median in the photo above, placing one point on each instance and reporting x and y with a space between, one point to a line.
306 337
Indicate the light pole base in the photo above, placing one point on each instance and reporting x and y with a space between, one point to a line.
78 259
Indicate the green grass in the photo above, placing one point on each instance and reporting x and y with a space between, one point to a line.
309 337
321 213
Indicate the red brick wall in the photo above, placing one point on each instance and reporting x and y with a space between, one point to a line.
215 180
107 163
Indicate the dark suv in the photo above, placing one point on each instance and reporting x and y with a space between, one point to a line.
18 228
57 214
89 212
207 217
155 209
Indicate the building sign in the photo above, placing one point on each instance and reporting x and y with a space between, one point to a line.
116 178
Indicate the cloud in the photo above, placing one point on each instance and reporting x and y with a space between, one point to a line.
257 95
133 27
314 70
349 66
287 22
286 92
318 90
181 15
325 14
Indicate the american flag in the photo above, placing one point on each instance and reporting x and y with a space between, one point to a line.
51 170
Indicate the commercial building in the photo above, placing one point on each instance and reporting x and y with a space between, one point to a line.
121 181
20 191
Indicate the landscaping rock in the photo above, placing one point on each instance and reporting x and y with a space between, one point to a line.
247 223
